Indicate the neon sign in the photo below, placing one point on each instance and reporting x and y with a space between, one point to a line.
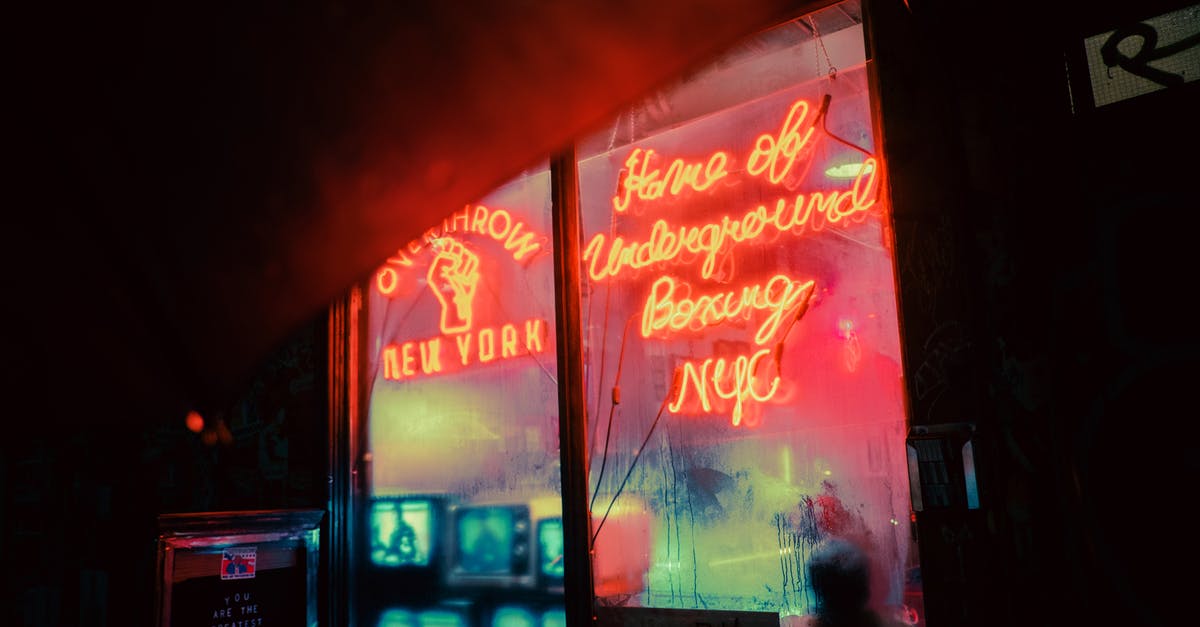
428 357
666 309
667 244
648 185
453 277
497 224
732 381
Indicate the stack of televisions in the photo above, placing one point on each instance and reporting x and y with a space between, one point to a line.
436 562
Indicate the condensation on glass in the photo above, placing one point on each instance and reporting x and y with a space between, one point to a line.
742 353
462 520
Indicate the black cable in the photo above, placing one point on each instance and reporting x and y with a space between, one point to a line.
615 400
674 386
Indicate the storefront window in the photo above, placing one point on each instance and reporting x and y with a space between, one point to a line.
462 517
742 352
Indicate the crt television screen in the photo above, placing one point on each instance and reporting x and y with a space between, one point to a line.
492 540
550 548
402 532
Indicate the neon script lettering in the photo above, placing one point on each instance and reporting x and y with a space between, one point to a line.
667 309
787 145
425 357
667 244
699 176
518 239
736 379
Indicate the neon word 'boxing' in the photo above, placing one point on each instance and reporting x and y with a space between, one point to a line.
667 309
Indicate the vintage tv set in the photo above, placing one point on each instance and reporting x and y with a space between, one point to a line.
404 531
526 615
514 616
448 615
550 552
491 545
554 617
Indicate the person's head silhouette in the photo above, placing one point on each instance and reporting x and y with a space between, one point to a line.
840 574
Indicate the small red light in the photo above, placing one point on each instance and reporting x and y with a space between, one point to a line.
195 422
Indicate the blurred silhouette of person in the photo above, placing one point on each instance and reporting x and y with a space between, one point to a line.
403 545
839 572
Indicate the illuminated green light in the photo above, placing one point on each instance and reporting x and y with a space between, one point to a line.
847 170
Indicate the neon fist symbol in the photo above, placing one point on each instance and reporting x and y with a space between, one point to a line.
453 277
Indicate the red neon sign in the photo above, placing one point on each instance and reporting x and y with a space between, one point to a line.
648 186
450 353
787 144
498 224
735 379
670 306
728 382
667 244
454 276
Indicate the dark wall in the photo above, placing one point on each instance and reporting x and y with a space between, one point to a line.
1043 249
80 505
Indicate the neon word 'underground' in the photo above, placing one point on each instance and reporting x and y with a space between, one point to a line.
666 243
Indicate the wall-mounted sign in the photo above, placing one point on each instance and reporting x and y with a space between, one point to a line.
238 569
1145 57
695 286
455 269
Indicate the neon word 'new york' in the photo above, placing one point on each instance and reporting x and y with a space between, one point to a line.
426 357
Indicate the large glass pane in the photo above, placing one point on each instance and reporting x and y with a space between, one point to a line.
462 520
743 368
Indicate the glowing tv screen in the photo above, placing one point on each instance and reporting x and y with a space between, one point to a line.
514 616
556 617
402 531
433 617
550 549
491 541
